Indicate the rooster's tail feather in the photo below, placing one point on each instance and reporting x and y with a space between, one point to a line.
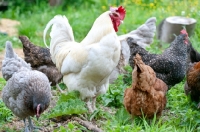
61 30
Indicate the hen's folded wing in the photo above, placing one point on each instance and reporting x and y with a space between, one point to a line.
75 60
161 65
95 55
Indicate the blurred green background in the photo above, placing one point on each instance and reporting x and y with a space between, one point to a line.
34 14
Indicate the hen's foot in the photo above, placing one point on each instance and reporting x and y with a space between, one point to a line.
57 85
31 126
26 127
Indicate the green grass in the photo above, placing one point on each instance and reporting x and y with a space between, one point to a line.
180 115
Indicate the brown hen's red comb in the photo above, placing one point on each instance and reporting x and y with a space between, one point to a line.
122 12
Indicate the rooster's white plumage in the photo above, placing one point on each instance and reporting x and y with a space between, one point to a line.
86 66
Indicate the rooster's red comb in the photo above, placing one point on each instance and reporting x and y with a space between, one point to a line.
121 10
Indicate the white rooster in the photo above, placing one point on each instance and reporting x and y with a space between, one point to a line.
86 66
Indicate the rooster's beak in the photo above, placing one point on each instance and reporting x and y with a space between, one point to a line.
121 21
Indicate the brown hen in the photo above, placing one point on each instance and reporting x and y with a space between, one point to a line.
147 94
192 85
40 59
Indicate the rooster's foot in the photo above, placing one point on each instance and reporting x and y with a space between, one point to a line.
89 105
94 103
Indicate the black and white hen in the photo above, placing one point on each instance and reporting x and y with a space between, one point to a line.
170 66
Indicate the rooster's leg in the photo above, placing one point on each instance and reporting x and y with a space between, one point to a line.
57 85
94 103
26 127
89 105
31 126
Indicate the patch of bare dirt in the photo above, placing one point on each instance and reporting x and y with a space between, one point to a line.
19 52
9 26
49 125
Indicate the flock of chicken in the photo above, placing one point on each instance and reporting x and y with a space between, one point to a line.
90 65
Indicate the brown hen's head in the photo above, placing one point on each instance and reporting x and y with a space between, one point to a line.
117 16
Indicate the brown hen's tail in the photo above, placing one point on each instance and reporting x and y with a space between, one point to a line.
35 55
135 73
143 75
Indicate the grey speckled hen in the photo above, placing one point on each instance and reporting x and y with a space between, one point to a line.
170 66
27 92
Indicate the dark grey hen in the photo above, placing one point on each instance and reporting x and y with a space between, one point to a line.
27 92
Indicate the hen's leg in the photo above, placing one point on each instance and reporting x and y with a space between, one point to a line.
31 126
26 127
89 105
57 85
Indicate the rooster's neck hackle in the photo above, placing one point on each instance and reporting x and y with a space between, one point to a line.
102 25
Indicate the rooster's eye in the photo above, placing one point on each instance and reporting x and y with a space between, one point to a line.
115 15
